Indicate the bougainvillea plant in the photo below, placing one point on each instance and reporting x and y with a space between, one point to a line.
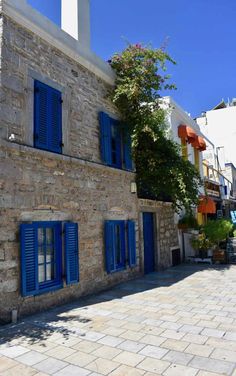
161 171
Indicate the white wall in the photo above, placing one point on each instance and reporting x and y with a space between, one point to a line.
220 126
176 117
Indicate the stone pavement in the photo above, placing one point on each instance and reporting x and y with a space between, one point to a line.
178 322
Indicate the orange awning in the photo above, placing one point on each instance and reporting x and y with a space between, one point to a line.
187 133
199 143
206 205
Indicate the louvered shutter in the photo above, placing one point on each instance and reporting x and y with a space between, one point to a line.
71 252
131 241
55 127
127 151
109 246
47 118
29 260
105 137
41 115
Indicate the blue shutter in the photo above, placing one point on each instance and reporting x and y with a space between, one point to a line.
131 243
47 118
55 128
71 252
41 115
122 243
29 260
105 136
127 150
109 246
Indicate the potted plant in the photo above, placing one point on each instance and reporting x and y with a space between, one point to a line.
201 244
187 221
218 231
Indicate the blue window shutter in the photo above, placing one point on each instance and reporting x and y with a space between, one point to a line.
127 150
105 136
47 118
71 252
55 127
41 115
109 246
131 243
29 259
122 242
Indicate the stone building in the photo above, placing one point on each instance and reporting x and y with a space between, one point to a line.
71 221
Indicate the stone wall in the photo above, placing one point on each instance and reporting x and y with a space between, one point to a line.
166 233
35 186
40 185
26 57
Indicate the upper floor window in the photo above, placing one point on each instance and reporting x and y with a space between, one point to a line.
115 143
47 118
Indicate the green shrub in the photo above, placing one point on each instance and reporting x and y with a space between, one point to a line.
200 242
189 220
217 230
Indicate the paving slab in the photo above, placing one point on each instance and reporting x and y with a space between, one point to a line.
178 322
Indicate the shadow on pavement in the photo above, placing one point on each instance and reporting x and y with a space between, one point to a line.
72 319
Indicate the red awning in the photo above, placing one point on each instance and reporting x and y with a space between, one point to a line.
186 132
206 205
199 143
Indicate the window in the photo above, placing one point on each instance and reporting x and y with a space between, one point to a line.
47 118
49 251
115 143
120 245
42 257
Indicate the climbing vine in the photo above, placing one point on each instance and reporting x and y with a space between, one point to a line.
161 171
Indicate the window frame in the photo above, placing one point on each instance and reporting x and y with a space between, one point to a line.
122 148
57 234
119 144
127 245
66 252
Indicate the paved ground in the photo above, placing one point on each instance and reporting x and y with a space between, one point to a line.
178 322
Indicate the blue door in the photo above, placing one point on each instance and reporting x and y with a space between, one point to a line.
148 238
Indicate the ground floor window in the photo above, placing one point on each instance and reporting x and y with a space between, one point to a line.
120 245
48 247
49 251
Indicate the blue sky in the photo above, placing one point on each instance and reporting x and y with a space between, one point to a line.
200 35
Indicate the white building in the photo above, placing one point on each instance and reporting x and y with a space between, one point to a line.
219 126
178 118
